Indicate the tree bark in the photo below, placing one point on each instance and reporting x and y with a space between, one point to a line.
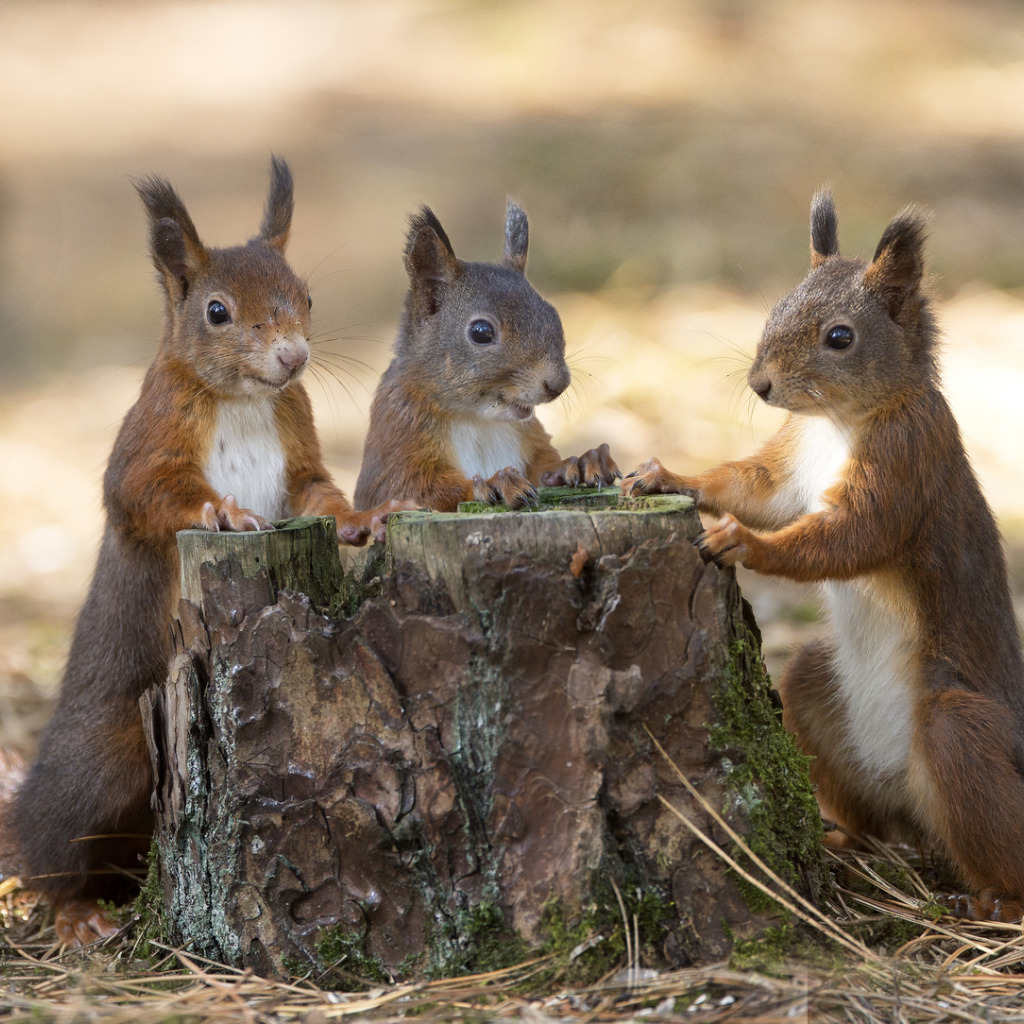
447 759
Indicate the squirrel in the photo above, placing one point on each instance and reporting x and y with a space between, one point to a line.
477 349
912 704
220 438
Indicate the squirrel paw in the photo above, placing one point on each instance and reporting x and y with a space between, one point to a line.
79 922
653 478
593 468
356 528
226 515
985 907
507 487
726 543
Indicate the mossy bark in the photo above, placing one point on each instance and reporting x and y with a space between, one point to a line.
459 769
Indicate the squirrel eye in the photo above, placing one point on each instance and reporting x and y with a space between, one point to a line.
839 337
217 314
481 332
309 299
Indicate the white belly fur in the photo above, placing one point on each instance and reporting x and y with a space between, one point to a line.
483 447
246 458
874 662
822 450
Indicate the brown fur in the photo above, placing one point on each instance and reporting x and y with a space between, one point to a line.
92 777
441 381
900 531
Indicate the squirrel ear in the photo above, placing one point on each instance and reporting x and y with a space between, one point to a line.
430 261
517 238
824 227
898 265
173 240
277 214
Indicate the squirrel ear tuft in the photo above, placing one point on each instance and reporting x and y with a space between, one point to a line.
277 214
897 268
430 261
517 238
173 240
824 227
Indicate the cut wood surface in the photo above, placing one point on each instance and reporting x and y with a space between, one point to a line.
450 761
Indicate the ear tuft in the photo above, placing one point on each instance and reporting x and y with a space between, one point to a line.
824 227
517 238
897 268
173 240
277 213
430 261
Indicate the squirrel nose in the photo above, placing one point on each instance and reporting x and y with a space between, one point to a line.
761 386
554 385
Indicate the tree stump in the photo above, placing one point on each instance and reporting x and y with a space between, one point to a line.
444 759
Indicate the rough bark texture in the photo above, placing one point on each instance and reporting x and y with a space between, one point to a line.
458 769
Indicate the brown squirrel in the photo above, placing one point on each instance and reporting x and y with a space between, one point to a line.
477 348
221 438
912 706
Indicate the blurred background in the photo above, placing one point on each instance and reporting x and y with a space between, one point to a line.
666 153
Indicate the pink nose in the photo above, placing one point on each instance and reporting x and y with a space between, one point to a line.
292 357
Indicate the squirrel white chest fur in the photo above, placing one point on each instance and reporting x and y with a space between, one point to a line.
483 447
872 620
246 458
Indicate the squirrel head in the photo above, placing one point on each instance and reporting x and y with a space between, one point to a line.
853 336
239 316
477 335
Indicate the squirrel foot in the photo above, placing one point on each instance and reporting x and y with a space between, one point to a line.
985 907
651 477
593 468
356 528
507 487
226 515
79 922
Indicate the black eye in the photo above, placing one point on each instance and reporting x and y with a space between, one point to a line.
309 299
481 332
217 314
839 337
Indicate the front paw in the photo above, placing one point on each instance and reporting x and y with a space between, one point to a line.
226 515
356 528
507 487
653 478
593 468
726 543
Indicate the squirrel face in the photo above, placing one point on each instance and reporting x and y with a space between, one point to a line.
847 340
240 317
478 334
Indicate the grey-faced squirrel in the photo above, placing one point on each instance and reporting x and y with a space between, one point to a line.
477 350
912 704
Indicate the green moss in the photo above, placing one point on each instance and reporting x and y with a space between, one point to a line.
345 962
476 940
150 913
768 778
589 944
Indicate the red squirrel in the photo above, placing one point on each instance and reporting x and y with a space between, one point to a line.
221 438
912 704
477 349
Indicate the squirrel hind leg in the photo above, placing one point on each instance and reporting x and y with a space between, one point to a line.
79 922
985 907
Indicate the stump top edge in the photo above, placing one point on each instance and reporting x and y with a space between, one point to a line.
568 501
280 526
